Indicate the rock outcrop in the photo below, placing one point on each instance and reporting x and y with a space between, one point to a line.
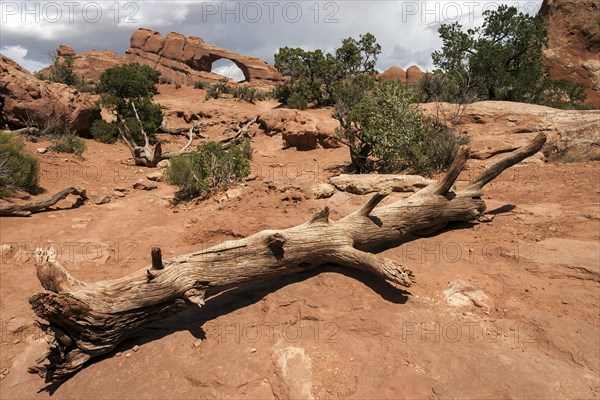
26 99
304 130
410 77
90 64
499 126
574 43
186 60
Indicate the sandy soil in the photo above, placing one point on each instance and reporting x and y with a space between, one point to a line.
328 333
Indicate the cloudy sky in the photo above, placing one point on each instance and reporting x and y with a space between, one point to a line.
406 30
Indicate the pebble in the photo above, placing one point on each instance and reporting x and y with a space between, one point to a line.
197 343
118 354
252 350
135 348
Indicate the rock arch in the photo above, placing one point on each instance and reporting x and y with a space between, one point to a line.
187 59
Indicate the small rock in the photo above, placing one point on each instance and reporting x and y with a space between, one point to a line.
101 199
460 294
163 164
18 324
197 343
41 150
323 191
252 350
233 193
128 355
118 354
155 176
135 348
144 184
6 249
120 194
250 178
120 189
79 226
16 341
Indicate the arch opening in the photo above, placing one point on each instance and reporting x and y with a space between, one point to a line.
229 69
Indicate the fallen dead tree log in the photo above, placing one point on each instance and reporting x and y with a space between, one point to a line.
375 183
87 320
25 210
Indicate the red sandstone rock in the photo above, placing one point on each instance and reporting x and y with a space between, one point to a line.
23 98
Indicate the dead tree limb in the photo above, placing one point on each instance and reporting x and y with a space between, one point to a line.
147 155
242 132
86 320
25 210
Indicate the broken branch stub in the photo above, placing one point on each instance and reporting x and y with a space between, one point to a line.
87 320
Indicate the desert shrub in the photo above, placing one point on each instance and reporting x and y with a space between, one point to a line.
68 142
248 94
314 75
569 158
297 101
209 168
105 132
385 133
215 90
178 86
164 80
18 170
62 71
199 85
246 148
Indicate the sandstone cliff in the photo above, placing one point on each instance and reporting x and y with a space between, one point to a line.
574 43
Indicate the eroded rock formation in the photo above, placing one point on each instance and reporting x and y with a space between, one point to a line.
410 77
574 43
24 99
90 64
186 60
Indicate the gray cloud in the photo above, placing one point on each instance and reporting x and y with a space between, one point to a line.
405 29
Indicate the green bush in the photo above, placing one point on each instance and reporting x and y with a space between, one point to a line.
297 101
18 170
215 90
164 80
502 60
199 85
105 132
385 133
209 168
248 94
314 75
62 71
68 143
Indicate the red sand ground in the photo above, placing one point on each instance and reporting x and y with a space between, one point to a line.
337 333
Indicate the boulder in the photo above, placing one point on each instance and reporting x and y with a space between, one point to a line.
23 97
305 130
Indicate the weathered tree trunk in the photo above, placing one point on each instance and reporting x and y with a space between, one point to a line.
377 183
86 320
25 210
